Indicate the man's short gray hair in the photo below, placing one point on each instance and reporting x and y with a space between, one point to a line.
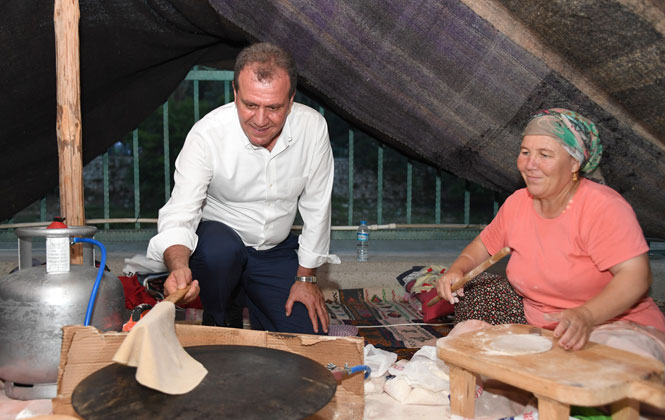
269 57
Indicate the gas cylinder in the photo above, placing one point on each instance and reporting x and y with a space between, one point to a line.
35 304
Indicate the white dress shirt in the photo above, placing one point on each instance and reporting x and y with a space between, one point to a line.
221 176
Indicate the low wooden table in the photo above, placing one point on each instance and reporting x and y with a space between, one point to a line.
594 376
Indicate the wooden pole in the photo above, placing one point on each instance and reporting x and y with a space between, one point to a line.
68 121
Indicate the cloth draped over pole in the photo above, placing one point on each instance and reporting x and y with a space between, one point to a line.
448 83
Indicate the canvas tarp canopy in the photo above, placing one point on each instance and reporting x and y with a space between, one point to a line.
450 83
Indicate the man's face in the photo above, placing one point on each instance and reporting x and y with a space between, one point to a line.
262 105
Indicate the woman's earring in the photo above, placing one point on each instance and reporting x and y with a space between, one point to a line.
575 177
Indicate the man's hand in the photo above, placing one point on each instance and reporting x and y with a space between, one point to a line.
574 327
176 258
180 279
309 295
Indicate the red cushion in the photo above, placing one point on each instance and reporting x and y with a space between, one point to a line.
436 311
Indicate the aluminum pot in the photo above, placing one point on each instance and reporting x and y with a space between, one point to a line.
35 305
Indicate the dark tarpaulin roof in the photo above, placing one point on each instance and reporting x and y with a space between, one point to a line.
439 81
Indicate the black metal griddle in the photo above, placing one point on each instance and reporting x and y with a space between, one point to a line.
243 382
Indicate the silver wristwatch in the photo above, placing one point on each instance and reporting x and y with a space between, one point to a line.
306 279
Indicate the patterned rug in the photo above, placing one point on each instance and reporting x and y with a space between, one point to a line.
385 319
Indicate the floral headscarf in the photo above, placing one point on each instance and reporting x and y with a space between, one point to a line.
576 134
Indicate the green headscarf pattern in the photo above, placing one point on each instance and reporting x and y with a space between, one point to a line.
577 134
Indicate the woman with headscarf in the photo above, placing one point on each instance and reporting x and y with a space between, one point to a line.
579 262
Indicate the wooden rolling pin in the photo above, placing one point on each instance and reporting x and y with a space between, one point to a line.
473 273
176 296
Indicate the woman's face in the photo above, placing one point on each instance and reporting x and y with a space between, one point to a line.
547 168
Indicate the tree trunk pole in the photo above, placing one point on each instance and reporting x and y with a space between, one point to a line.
68 121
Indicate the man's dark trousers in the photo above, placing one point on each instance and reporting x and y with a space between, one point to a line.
225 268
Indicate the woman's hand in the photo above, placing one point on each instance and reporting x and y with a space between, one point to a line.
630 283
444 286
574 327
472 255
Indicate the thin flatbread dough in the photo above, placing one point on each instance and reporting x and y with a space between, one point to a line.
517 344
161 362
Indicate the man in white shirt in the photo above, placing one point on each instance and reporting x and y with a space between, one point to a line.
243 172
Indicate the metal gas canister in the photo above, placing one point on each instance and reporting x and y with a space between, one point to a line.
36 302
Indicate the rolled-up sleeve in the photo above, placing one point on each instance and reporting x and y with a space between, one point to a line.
180 216
315 205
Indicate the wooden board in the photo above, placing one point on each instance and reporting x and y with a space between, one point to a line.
595 375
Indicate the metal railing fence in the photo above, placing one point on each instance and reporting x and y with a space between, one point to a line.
424 204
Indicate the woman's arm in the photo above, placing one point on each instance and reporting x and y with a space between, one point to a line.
630 283
474 254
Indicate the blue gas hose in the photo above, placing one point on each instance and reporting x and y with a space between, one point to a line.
359 368
100 273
